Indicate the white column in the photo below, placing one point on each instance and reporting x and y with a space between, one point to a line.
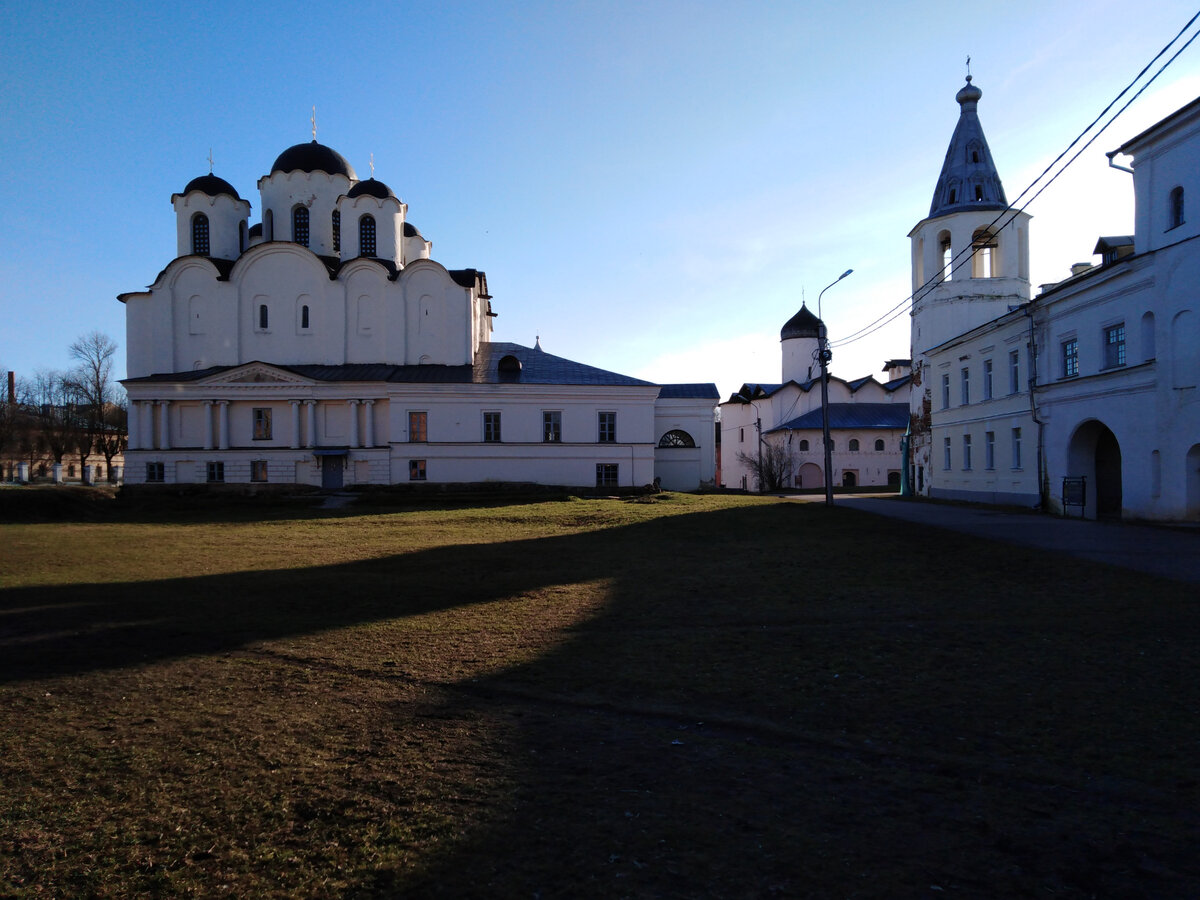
148 424
164 434
370 414
223 430
208 425
295 424
132 441
311 416
353 404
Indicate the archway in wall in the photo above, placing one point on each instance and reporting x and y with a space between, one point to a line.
1193 482
1095 454
849 479
809 476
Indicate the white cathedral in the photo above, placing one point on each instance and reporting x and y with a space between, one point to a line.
323 346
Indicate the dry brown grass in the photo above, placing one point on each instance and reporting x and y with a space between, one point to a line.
672 697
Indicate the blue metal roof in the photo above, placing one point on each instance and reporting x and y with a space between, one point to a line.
852 416
696 391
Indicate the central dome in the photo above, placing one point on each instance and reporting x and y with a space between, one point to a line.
313 157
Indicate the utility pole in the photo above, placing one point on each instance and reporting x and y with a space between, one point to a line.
826 355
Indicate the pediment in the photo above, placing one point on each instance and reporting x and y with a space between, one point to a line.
257 373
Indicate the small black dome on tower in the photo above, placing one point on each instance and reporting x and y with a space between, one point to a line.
371 188
802 325
313 157
212 185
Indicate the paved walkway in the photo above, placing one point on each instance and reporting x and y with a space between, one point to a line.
1169 552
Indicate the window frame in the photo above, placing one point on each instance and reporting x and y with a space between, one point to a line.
418 426
1070 357
201 235
987 379
608 475
260 423
368 236
214 472
552 426
1016 448
966 452
417 470
156 472
491 427
1014 372
965 386
1115 351
260 471
989 450
300 221
852 447
945 390
947 454
606 427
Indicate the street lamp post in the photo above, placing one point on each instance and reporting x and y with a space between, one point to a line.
826 355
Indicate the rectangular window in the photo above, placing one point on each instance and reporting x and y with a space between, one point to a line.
741 435
946 460
989 450
491 427
262 317
608 428
154 473
966 452
216 471
1070 358
551 426
946 391
418 422
606 474
1114 346
1014 372
258 470
262 423
1016 448
416 470
987 379
966 386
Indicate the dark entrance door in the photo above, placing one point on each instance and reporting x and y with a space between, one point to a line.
1108 476
331 472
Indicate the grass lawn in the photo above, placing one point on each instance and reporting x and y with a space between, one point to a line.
675 696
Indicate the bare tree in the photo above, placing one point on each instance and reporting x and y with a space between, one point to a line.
52 404
94 392
773 470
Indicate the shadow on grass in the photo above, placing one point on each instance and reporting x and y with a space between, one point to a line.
773 700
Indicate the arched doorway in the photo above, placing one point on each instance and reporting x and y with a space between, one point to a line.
809 476
849 479
1193 482
1095 453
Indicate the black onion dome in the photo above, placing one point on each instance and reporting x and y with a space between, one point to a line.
313 157
802 325
212 185
371 188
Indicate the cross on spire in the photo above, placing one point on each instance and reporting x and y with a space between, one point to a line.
314 122
210 160
968 68
371 163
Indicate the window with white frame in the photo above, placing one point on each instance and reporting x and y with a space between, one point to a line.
989 450
946 451
262 423
946 390
607 474
416 470
216 471
966 445
551 426
607 427
1014 371
1114 346
491 427
987 379
966 386
154 473
418 426
1070 358
1016 448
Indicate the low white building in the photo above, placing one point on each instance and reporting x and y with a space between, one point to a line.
1083 399
323 346
867 417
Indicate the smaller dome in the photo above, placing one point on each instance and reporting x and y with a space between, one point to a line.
313 157
802 325
256 230
371 188
411 231
968 94
212 185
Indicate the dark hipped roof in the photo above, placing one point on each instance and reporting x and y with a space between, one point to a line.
802 325
537 367
313 157
968 171
852 415
695 391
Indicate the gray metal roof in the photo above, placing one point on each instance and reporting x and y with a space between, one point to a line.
969 180
695 391
848 416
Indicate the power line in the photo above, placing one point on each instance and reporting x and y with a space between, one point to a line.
960 259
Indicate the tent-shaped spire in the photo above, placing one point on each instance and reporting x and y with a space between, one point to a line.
969 180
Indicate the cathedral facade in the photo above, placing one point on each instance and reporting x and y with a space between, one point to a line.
324 346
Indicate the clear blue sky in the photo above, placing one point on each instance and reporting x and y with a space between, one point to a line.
651 187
